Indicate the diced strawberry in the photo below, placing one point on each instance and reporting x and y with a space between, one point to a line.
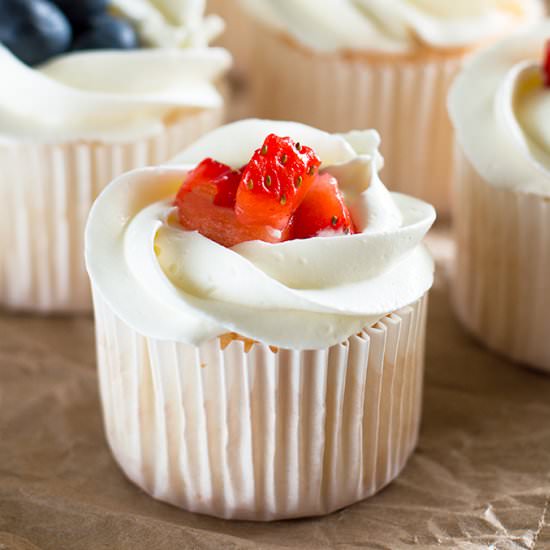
323 211
225 179
205 203
275 182
546 65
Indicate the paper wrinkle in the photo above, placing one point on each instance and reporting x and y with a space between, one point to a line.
485 424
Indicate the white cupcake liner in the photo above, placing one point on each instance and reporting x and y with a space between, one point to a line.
501 286
262 434
405 100
46 192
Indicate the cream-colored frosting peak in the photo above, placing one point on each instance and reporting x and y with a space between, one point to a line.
501 111
174 284
396 26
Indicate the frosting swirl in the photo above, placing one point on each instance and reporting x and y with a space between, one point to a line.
171 23
501 108
174 284
118 95
395 26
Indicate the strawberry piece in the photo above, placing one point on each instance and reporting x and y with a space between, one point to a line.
222 176
323 211
546 65
205 203
275 182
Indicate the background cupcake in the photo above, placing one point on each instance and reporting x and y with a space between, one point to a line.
500 107
386 65
70 124
238 36
261 381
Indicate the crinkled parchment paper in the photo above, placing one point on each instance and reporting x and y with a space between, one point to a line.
480 477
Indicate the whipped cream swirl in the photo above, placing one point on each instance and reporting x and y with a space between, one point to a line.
171 23
118 95
173 284
394 26
501 111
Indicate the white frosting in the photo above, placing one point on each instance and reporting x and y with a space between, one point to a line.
173 284
392 25
107 95
170 23
118 95
501 112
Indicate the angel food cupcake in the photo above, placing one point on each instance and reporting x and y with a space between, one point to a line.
70 125
500 107
260 316
343 64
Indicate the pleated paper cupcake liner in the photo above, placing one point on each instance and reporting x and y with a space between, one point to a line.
502 271
404 100
255 433
46 192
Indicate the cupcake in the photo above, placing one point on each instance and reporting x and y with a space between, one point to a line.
71 123
500 108
260 319
365 63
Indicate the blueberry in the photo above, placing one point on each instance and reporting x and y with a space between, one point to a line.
106 32
33 30
80 12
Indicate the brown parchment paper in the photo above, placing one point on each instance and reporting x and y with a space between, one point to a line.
480 477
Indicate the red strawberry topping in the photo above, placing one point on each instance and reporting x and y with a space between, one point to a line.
206 202
546 65
275 182
323 211
277 196
223 177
